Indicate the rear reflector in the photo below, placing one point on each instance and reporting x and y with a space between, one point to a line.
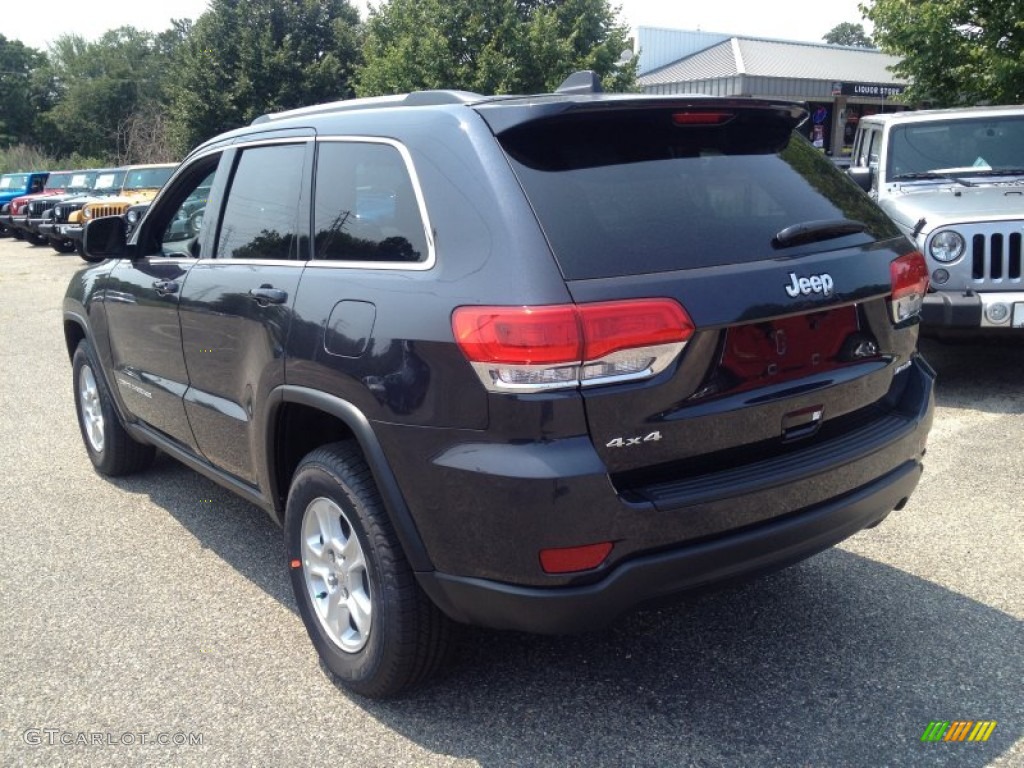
529 349
909 276
570 559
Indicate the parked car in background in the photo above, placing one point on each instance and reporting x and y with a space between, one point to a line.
38 210
953 181
14 185
108 183
16 218
521 362
141 184
133 216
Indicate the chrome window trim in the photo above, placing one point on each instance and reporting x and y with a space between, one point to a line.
428 230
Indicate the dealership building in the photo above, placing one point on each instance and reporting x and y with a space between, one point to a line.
839 84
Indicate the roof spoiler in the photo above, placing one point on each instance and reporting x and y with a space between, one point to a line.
584 81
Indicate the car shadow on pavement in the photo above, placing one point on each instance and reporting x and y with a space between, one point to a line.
840 660
981 374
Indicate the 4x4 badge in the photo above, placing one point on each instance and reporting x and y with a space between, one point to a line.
822 283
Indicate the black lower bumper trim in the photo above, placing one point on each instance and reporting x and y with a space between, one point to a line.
948 309
757 550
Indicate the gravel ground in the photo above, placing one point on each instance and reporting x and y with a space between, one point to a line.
157 607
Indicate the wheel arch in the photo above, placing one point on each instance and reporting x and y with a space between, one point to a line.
74 332
297 420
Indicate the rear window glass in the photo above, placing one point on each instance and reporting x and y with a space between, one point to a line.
634 193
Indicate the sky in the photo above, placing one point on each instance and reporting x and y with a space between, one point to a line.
790 20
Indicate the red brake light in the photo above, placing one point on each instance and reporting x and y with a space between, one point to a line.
534 348
616 325
702 118
909 275
570 559
518 335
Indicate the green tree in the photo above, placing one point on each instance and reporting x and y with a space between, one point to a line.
954 52
245 58
849 34
491 46
18 96
95 88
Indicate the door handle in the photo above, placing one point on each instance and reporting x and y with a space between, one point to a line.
165 287
268 294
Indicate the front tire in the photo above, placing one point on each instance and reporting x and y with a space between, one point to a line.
62 246
372 625
111 449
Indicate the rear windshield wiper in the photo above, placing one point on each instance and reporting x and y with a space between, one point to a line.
816 231
931 175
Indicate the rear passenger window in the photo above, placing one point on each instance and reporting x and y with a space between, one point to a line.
365 205
261 218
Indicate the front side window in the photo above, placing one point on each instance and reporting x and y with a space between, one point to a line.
365 205
261 218
181 234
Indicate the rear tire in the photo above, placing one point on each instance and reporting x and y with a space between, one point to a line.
372 625
111 449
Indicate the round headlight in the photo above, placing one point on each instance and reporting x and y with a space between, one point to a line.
947 246
87 213
132 216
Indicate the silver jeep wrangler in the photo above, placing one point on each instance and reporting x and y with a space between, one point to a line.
953 181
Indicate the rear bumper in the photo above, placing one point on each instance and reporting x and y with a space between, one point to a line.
734 523
762 549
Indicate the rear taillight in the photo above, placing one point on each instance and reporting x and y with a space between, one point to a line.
531 349
909 275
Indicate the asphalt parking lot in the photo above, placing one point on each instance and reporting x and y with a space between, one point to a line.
157 609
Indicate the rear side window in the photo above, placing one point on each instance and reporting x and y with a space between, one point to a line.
649 191
261 218
365 205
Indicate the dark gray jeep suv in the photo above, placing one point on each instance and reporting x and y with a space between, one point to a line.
522 362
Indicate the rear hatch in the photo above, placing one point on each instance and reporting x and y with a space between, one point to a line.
784 269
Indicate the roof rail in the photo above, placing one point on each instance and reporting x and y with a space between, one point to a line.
584 81
414 99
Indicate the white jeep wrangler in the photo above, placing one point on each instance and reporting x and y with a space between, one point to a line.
953 181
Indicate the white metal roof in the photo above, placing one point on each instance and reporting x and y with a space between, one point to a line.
758 57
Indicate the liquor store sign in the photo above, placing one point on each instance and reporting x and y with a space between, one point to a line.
871 90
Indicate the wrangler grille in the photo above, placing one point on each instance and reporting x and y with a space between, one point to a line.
114 209
61 213
36 208
996 257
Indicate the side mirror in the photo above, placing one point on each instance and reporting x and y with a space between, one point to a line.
862 177
107 238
